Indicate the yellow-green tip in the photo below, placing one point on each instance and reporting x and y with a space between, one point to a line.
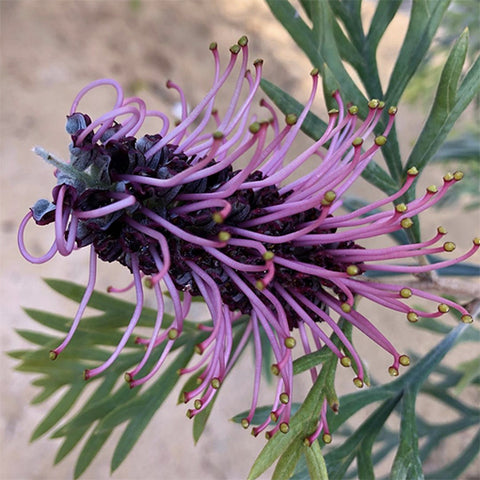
224 236
358 382
393 371
217 218
404 360
449 246
401 208
412 317
443 308
346 362
291 119
254 127
284 398
405 293
353 270
284 427
406 223
329 197
243 40
172 333
235 49
346 308
268 255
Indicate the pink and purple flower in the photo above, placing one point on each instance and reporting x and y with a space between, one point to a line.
259 241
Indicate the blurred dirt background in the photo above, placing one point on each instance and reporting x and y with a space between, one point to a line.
49 50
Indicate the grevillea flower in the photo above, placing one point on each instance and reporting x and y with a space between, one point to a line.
251 241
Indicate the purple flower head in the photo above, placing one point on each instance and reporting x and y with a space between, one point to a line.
251 241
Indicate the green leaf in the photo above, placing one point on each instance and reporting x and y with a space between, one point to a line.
442 395
308 361
448 104
348 51
384 14
58 412
201 418
353 402
339 459
47 392
425 18
75 434
302 423
319 43
458 466
351 16
287 462
315 462
99 301
57 322
330 85
89 452
407 463
35 337
420 372
135 406
327 51
470 370
438 433
279 444
98 409
142 409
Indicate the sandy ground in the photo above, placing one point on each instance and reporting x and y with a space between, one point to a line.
49 50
